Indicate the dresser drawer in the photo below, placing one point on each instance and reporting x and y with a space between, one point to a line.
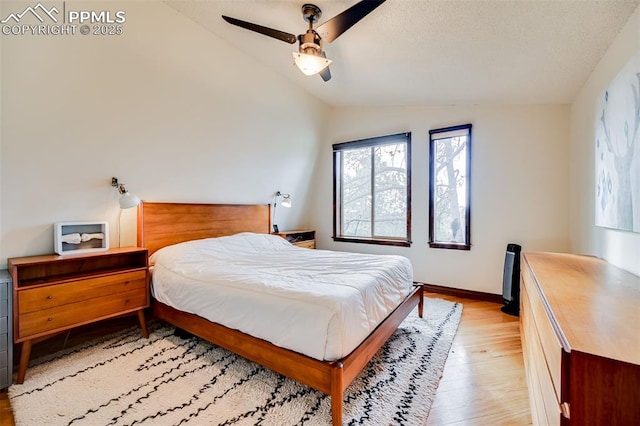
545 404
311 244
64 316
549 343
526 332
4 308
36 299
4 291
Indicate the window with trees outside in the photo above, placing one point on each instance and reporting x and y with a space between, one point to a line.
450 184
372 190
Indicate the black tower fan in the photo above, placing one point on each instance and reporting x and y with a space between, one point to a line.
511 281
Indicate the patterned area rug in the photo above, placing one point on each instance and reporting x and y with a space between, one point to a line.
167 380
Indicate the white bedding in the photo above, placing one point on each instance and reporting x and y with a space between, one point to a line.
317 302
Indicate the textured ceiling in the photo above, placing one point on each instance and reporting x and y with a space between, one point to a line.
415 52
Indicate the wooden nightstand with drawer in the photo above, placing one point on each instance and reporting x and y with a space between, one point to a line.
53 293
300 238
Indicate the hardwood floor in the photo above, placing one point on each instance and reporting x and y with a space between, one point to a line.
483 381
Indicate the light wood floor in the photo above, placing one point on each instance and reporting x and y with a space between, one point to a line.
483 382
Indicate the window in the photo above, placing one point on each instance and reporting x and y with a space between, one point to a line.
372 190
449 190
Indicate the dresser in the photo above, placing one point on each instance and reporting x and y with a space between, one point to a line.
53 293
580 328
6 338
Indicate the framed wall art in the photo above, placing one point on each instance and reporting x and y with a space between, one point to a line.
618 151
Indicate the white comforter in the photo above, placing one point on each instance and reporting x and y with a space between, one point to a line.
317 302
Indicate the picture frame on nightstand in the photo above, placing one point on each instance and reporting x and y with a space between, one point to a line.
80 237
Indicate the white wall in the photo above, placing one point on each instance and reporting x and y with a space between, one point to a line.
2 257
620 248
519 185
171 110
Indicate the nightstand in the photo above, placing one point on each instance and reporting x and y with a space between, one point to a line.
300 238
53 293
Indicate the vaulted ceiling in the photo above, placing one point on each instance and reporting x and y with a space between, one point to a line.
423 52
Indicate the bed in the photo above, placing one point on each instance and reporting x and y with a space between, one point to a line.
167 229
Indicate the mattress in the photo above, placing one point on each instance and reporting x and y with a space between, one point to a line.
320 303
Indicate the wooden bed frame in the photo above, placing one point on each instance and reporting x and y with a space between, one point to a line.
162 224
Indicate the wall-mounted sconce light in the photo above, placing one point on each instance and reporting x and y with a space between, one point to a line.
127 199
285 202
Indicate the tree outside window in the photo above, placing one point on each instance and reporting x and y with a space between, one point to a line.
372 190
450 183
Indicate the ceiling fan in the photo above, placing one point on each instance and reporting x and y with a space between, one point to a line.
310 57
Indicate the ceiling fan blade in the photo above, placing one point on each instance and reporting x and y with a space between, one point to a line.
277 34
340 23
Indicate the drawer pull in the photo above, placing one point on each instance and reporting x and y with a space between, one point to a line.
49 319
49 297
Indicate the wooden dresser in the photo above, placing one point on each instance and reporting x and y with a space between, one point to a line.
580 328
54 293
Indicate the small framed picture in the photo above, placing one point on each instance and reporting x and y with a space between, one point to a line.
80 237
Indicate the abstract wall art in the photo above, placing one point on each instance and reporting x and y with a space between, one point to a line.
618 151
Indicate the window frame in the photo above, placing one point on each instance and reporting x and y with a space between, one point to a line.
337 192
466 245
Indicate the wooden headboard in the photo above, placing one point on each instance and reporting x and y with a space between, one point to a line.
163 224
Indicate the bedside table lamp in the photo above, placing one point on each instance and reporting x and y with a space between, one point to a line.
127 199
286 202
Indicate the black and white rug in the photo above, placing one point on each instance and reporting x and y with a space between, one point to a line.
167 380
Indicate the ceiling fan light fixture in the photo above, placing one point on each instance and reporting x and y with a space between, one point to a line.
310 57
310 64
